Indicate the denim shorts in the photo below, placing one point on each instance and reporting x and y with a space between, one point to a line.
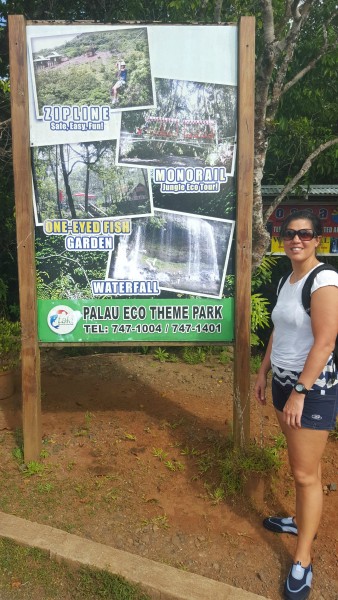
320 405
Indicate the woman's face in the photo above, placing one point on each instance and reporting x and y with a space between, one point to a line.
298 249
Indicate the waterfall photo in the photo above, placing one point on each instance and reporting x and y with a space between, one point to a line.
184 253
193 125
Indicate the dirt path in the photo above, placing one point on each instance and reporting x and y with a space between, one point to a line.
126 441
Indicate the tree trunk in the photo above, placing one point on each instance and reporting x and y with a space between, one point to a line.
218 11
36 189
87 181
67 186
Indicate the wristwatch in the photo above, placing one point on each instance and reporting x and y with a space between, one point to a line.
300 388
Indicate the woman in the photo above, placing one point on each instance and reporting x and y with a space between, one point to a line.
304 386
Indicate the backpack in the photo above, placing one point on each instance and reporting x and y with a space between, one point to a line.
306 296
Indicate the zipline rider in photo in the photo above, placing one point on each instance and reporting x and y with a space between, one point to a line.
121 81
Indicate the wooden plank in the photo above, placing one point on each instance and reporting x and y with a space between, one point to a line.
31 394
245 162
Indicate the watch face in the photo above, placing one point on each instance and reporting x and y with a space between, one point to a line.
299 387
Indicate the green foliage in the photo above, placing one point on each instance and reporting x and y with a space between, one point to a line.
260 313
334 433
47 577
236 466
160 521
230 467
159 453
3 297
45 488
306 116
260 316
279 441
9 300
263 274
194 356
5 86
255 360
10 344
59 271
225 357
33 468
174 465
18 454
229 286
217 495
161 355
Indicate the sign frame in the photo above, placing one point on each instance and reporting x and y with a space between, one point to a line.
31 375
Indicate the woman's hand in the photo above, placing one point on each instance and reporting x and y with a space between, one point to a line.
293 410
260 387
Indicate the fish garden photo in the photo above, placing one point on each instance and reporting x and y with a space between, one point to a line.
81 181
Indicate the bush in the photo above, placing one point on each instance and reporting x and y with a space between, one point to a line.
10 344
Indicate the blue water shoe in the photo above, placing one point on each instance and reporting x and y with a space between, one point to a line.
281 525
298 583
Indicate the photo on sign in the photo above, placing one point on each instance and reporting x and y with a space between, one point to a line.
76 181
219 201
93 68
65 275
184 253
193 125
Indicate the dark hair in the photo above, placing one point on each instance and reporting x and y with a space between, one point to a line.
303 214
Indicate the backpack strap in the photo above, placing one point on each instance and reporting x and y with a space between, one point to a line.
281 283
306 291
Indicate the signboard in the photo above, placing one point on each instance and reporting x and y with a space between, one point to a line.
328 214
133 132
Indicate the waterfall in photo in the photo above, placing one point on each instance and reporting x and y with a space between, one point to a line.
202 251
184 253
127 259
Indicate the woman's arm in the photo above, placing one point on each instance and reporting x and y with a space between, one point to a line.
265 367
324 322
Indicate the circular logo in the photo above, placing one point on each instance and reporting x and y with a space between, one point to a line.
62 319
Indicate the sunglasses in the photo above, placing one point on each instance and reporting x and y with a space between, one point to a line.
304 234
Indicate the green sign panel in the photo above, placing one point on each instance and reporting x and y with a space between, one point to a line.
145 320
134 177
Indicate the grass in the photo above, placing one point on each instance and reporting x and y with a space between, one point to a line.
161 521
334 433
255 363
164 356
174 465
225 357
229 467
29 573
198 355
194 356
161 355
159 453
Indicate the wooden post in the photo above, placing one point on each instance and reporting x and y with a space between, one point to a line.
245 161
31 394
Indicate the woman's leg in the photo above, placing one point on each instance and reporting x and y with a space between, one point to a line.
305 449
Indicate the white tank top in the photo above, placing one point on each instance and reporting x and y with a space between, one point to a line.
292 337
